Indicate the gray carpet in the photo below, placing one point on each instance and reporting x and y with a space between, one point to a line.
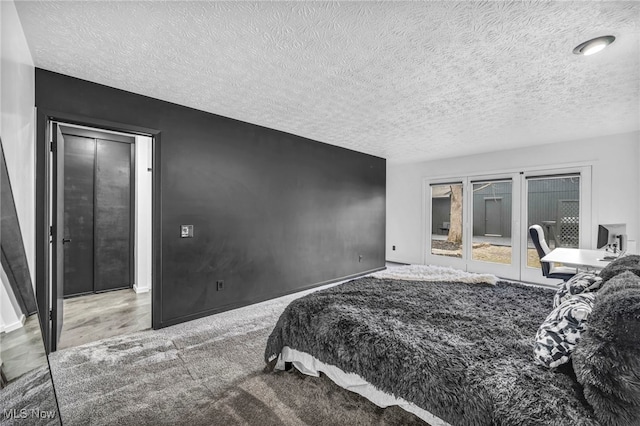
204 372
29 400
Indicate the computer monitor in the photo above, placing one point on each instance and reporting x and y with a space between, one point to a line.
608 235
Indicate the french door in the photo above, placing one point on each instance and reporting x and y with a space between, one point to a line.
560 202
480 223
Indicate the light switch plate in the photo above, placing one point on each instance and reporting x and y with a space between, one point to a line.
186 231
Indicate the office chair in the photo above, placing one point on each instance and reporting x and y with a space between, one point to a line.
548 269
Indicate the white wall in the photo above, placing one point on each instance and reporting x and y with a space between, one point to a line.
615 179
17 118
10 316
143 240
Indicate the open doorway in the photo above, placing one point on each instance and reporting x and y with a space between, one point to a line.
100 203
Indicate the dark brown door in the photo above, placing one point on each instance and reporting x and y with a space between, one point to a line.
79 158
112 215
58 239
98 212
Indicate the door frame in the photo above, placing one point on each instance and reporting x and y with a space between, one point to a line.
519 229
511 270
43 214
535 274
56 235
427 210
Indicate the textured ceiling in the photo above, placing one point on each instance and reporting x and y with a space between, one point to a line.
400 80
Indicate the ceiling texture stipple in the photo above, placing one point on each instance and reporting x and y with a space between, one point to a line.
401 80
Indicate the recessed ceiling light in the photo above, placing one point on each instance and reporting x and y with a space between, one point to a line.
594 45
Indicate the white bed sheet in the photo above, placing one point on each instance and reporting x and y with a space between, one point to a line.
311 366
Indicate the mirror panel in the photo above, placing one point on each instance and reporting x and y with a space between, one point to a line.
27 394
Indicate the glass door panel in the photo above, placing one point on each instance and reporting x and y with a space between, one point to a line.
446 220
481 223
491 227
553 202
560 203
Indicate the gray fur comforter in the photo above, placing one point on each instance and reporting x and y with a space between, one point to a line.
460 351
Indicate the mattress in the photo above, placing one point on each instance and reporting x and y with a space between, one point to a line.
311 366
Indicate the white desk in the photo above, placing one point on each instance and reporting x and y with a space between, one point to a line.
578 257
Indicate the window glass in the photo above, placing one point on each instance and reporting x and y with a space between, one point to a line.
553 202
446 219
492 222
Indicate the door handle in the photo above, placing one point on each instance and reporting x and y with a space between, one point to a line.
66 240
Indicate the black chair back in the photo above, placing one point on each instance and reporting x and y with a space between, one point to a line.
537 236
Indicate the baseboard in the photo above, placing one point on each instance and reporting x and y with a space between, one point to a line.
396 262
236 305
8 328
138 289
402 262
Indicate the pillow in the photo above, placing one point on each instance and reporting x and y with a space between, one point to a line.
620 265
560 332
622 281
607 360
579 283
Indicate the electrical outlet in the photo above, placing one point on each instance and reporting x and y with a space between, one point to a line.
360 257
393 248
219 285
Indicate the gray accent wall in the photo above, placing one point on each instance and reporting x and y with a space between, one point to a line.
272 212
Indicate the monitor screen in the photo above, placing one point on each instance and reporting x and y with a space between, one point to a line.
610 234
603 237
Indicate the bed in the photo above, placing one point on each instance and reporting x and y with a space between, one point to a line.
451 350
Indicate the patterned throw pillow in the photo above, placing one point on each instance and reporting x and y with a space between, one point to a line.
560 332
579 283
